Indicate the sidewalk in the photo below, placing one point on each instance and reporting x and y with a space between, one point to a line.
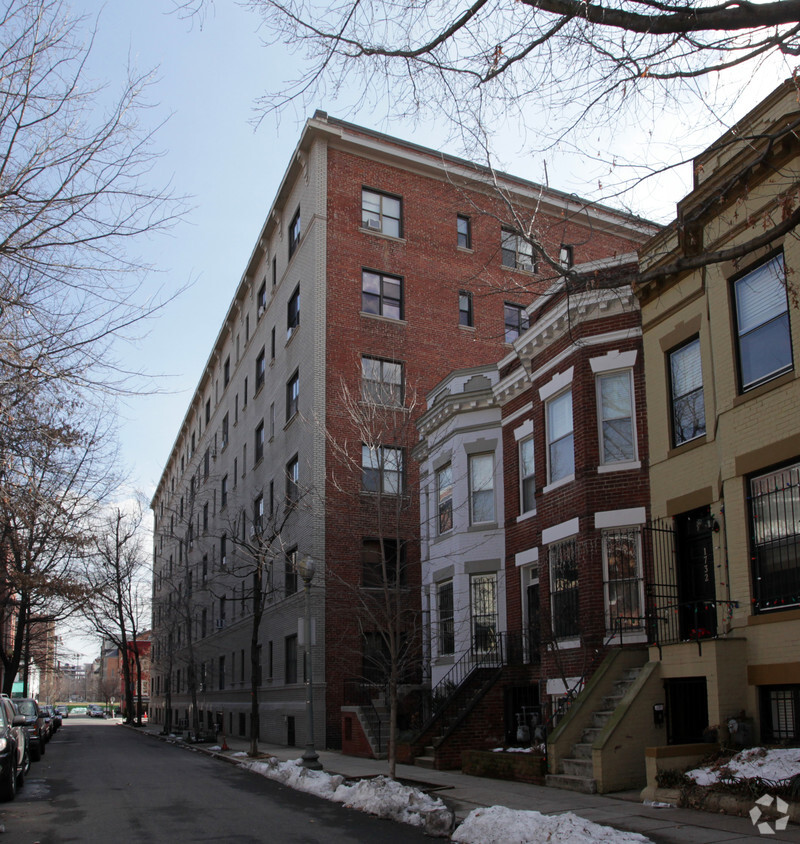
463 793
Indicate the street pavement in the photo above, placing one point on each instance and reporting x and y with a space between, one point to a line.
463 793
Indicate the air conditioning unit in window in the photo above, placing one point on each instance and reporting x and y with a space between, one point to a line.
260 311
373 224
525 265
220 623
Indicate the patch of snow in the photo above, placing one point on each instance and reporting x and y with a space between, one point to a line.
215 747
772 764
513 750
498 825
239 753
379 796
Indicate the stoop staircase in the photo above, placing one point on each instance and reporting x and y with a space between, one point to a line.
449 714
576 771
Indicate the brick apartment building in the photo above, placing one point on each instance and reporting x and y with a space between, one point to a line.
535 493
380 267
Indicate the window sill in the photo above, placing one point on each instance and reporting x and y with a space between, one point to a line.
482 526
687 446
523 517
399 408
627 466
518 270
442 537
289 421
376 233
382 318
291 335
467 327
559 483
468 249
773 384
445 659
567 644
259 388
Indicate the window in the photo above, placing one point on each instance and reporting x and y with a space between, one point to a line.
565 256
481 488
292 481
516 251
527 481
483 607
261 300
223 496
563 558
615 412
205 517
272 344
377 556
223 550
221 673
206 463
686 391
259 443
444 496
465 316
244 401
261 370
381 295
258 513
780 713
208 418
382 469
294 233
274 271
381 381
623 580
560 451
464 231
444 605
292 395
290 659
775 538
226 371
381 213
290 573
272 420
225 430
762 323
292 314
515 318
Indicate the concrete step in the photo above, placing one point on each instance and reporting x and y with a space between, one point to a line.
585 786
601 716
425 762
582 768
582 750
590 734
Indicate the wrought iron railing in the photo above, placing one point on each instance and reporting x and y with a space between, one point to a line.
363 694
669 623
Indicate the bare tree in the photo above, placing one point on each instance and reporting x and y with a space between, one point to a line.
381 596
118 608
74 166
54 473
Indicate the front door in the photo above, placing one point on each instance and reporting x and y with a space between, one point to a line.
696 586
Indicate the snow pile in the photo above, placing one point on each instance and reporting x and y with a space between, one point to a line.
498 825
535 748
379 796
775 764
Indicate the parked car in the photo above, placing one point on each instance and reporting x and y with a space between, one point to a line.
18 722
63 711
94 711
34 724
56 715
47 714
8 753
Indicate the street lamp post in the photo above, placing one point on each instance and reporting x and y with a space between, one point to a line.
305 567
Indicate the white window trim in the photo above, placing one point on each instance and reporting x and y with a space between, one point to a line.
631 517
524 430
633 635
525 514
613 360
567 478
526 558
556 384
563 530
627 466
